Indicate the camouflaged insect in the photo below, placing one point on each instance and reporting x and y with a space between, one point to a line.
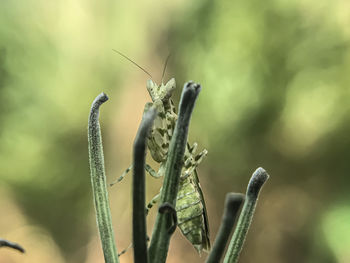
190 206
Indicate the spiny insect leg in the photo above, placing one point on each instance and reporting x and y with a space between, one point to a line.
125 250
130 246
194 163
151 171
171 120
152 202
148 168
169 208
122 176
199 157
193 149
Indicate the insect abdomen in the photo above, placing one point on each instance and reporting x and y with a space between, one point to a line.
190 214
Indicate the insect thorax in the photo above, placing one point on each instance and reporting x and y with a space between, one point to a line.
164 124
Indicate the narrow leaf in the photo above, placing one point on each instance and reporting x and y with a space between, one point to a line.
256 182
98 181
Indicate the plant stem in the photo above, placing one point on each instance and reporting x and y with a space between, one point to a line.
139 203
6 243
232 204
257 180
161 235
98 181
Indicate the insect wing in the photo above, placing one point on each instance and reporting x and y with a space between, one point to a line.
206 240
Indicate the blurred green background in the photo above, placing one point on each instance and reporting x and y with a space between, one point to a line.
275 77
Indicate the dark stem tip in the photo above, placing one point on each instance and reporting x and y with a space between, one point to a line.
192 87
103 97
257 180
99 100
189 95
234 201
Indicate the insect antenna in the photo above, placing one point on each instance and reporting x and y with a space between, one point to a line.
133 62
164 68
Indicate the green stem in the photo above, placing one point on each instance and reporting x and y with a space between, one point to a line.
98 181
161 235
233 203
258 179
6 243
139 203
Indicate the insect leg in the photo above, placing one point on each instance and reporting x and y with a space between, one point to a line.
122 176
130 246
199 157
193 149
192 163
148 207
125 250
148 168
169 208
151 171
171 120
152 202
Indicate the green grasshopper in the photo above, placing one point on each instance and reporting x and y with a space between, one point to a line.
190 206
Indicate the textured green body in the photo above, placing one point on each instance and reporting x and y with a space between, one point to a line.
191 213
190 205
